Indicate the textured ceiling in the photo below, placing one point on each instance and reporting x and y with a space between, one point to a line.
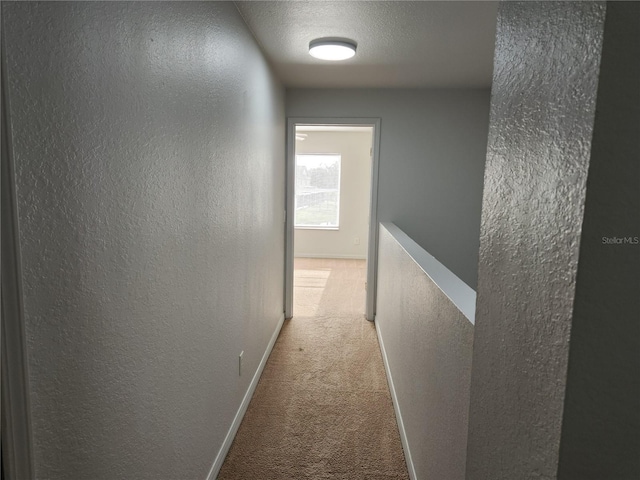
400 43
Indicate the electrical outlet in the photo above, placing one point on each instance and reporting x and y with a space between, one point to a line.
240 363
356 241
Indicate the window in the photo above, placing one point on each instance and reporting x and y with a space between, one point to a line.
317 191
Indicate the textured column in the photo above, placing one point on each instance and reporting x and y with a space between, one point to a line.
555 387
543 104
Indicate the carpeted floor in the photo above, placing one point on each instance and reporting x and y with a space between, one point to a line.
322 408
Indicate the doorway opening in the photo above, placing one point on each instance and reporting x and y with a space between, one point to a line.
331 217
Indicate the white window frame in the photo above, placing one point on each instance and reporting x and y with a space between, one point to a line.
321 227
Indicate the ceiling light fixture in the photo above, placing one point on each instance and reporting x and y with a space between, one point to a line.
332 49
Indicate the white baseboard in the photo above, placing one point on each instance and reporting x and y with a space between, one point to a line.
396 407
330 255
226 445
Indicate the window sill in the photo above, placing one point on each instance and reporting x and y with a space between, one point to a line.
317 228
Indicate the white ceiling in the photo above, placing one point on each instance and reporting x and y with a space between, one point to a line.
400 43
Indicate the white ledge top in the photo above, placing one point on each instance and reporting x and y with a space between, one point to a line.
461 294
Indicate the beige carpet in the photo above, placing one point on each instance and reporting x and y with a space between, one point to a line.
322 408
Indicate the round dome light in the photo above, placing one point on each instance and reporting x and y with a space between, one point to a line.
333 50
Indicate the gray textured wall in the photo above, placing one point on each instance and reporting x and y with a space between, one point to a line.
542 111
428 344
601 422
149 158
432 153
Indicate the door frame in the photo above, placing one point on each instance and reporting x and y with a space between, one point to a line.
372 251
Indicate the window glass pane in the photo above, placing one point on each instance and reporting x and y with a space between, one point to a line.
317 191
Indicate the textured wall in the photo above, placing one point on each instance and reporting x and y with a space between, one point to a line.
355 189
601 422
542 112
432 153
149 156
428 344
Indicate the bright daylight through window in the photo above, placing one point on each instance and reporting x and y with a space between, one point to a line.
317 191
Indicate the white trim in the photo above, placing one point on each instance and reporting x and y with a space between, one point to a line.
321 227
332 128
307 227
290 186
228 440
460 294
330 255
372 250
396 407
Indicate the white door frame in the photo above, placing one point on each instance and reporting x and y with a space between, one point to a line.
372 251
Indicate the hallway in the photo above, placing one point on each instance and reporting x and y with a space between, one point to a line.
148 225
322 408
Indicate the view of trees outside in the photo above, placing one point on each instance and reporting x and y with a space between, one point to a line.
317 190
